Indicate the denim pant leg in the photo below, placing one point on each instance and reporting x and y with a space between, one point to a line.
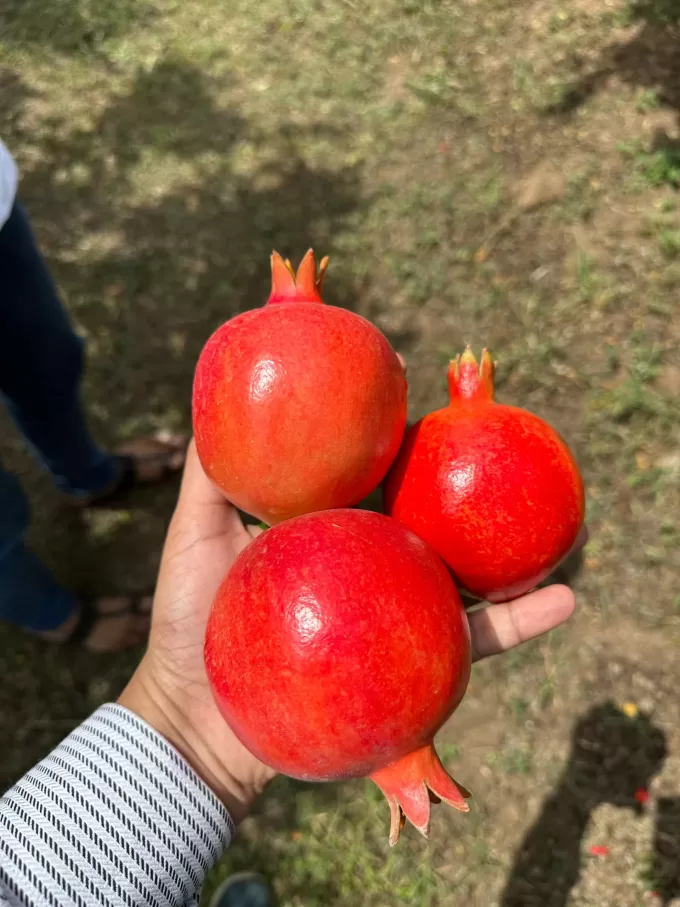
29 594
41 363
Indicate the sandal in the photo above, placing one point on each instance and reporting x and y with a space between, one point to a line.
243 889
163 458
95 615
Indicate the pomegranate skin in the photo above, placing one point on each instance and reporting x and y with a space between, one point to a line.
492 488
337 646
297 406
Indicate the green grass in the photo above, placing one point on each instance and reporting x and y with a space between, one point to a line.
584 276
658 167
332 854
516 761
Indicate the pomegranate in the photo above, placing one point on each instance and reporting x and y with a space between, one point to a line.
492 488
298 406
336 647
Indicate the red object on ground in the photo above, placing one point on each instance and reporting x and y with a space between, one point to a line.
492 488
298 406
641 796
599 850
337 646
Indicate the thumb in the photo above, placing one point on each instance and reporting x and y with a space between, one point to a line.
202 512
204 539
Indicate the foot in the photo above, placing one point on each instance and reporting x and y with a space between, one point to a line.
106 625
245 889
141 462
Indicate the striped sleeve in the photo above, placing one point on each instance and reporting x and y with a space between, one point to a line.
113 817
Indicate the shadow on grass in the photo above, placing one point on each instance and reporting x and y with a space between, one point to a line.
157 277
69 26
664 876
650 59
148 279
612 757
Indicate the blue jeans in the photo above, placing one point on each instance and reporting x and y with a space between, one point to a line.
41 363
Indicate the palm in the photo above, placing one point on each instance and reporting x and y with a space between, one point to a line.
205 537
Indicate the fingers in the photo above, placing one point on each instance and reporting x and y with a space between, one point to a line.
501 627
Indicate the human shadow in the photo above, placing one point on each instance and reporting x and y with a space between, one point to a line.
649 59
612 757
664 873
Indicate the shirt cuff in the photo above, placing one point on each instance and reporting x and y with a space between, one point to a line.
113 816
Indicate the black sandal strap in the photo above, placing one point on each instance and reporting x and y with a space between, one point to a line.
90 616
86 622
127 480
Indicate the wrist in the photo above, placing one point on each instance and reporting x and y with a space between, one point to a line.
147 699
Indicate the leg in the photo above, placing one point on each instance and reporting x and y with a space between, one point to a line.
41 362
29 594
31 598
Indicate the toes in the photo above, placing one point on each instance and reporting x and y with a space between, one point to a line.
119 626
175 444
157 454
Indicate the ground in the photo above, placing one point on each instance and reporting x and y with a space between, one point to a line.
499 174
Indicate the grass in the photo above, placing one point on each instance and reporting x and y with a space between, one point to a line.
584 276
516 761
656 167
166 148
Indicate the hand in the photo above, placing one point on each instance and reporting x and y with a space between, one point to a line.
170 688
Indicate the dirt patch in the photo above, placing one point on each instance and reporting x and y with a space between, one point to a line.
543 185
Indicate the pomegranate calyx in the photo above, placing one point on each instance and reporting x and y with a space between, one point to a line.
412 784
469 380
305 286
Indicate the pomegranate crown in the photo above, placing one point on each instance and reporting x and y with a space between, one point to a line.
470 380
305 286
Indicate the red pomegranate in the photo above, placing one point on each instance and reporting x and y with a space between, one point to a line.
337 646
492 488
298 406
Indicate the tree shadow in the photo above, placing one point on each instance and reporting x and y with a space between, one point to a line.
650 59
158 277
69 26
148 277
612 757
171 270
